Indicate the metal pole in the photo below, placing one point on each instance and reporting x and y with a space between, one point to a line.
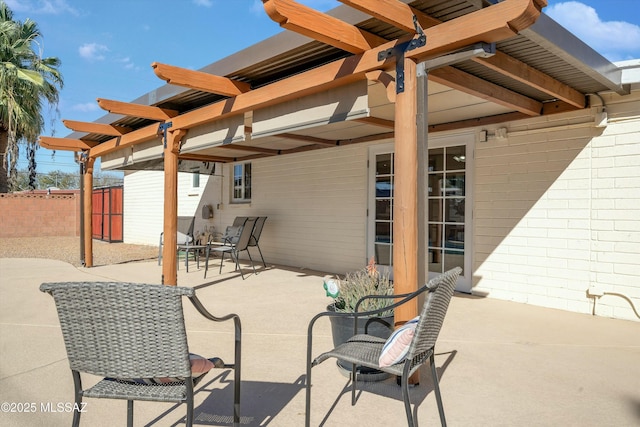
82 214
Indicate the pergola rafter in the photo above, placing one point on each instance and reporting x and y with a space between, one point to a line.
393 12
137 110
66 144
319 26
468 83
198 80
99 128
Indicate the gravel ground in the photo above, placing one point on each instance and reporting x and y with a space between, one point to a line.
67 249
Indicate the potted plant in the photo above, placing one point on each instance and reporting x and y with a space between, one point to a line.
345 293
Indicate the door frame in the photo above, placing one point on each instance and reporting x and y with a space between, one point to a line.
465 281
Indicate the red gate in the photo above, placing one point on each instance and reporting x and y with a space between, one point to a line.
106 218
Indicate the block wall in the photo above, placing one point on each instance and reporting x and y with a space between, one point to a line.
31 215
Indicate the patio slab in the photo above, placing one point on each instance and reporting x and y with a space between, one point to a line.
501 363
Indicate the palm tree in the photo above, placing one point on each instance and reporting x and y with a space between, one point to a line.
26 81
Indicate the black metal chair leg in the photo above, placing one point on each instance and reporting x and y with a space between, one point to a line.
221 261
407 402
436 388
77 383
129 413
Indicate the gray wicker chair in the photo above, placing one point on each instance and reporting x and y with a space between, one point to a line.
125 331
364 350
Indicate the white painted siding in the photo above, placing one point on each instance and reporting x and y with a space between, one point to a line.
558 211
316 208
144 204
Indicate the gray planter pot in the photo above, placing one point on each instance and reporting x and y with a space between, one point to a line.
342 330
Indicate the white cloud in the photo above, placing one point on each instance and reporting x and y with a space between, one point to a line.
86 107
616 40
93 51
205 3
50 7
128 64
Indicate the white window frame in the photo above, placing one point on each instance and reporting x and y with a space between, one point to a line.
242 186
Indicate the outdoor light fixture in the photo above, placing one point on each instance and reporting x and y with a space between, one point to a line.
501 133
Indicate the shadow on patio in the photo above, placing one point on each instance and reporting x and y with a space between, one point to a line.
500 363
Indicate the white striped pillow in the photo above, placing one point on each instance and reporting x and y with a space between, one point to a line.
397 346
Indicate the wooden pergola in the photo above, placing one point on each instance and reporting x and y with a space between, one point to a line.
372 58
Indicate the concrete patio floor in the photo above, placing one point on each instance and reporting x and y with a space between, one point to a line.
500 363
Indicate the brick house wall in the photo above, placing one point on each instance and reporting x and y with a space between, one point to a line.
39 214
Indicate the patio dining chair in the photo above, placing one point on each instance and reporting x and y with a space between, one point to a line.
403 352
255 236
184 235
234 249
134 336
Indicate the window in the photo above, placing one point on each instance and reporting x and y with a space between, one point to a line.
242 182
195 178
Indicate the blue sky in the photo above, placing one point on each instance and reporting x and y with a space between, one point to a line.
107 47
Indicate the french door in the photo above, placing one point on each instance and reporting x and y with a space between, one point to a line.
448 197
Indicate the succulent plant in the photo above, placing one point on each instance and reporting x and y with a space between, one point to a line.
368 281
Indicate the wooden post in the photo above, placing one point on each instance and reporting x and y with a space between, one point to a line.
88 211
170 228
405 203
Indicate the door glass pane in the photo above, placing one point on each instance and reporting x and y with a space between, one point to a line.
383 232
456 157
455 184
454 210
383 254
383 164
435 209
455 236
384 187
436 159
384 208
435 260
436 184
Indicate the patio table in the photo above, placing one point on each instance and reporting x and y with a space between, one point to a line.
186 248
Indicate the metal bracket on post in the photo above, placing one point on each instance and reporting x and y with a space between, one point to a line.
162 131
399 51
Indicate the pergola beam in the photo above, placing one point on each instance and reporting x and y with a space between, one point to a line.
137 136
488 25
319 26
199 80
137 110
99 128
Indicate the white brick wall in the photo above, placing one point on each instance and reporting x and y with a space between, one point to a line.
558 211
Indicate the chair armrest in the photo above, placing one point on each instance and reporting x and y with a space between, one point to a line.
236 320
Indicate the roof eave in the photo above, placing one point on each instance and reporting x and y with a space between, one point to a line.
559 41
